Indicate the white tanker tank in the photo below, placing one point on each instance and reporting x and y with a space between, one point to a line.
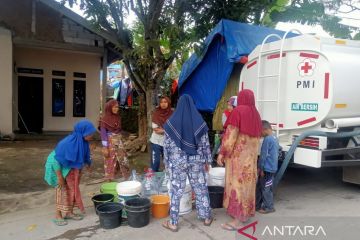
307 83
320 80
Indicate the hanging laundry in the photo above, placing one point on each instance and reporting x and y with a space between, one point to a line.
125 89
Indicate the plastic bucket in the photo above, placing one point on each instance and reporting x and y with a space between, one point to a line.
128 188
138 212
109 214
217 177
123 199
160 206
159 175
102 198
186 201
216 194
110 188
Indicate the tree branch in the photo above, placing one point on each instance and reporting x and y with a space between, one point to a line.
115 15
134 76
140 14
155 9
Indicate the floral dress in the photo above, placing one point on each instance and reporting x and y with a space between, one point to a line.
240 154
117 160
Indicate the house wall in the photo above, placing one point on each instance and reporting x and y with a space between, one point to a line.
70 62
6 83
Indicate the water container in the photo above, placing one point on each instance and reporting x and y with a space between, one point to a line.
134 176
138 212
149 185
216 195
163 185
102 198
128 188
160 206
216 177
186 199
109 215
109 187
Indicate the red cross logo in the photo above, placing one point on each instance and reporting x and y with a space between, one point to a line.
306 67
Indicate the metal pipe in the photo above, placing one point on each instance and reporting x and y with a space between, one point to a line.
342 122
296 142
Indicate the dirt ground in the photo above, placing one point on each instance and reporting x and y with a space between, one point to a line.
22 172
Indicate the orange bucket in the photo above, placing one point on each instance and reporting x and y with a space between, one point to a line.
160 206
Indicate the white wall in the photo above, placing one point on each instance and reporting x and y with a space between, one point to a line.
69 62
6 85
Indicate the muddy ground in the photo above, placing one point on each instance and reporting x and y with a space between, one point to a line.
22 171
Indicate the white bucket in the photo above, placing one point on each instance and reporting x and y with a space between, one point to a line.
186 199
216 177
128 188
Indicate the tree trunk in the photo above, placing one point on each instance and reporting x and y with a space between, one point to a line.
149 109
142 120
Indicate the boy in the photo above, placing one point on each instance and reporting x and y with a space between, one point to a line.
267 166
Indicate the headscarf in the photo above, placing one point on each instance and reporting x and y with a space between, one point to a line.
233 102
186 126
161 115
111 121
73 151
245 116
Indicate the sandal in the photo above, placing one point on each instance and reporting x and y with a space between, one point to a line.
263 211
208 222
167 225
76 217
228 227
59 221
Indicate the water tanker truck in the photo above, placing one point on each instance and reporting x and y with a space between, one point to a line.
308 88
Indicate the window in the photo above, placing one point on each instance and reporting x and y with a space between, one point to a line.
79 98
58 97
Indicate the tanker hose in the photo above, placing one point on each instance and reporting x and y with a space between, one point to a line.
304 135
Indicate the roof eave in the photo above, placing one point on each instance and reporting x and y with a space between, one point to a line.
78 19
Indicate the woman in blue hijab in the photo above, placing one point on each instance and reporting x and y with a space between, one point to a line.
187 155
63 168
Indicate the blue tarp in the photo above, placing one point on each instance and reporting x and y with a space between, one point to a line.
205 77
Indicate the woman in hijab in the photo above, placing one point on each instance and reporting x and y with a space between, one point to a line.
159 117
231 104
115 156
187 155
63 170
239 151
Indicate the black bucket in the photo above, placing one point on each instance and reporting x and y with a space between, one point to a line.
138 212
216 194
110 214
101 198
